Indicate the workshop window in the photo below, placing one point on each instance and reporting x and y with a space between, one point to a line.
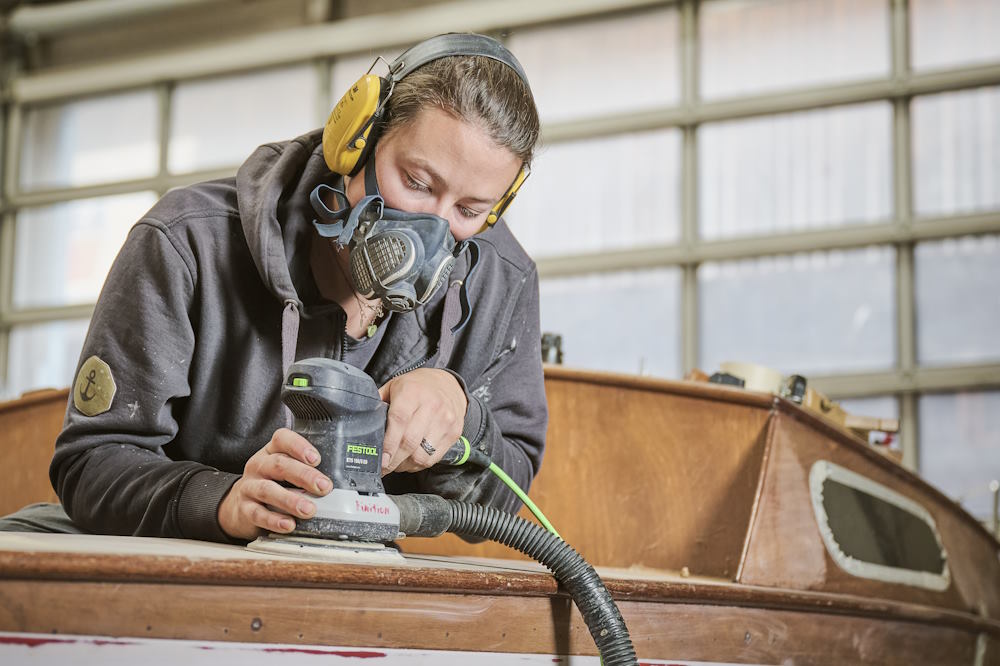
883 406
90 141
753 47
956 152
948 33
63 251
43 355
614 192
957 300
590 68
958 446
806 313
795 171
627 321
218 122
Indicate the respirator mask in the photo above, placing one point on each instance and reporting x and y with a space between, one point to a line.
399 257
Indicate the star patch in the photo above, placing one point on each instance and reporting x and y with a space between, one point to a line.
94 388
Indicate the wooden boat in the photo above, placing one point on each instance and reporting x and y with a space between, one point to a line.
730 526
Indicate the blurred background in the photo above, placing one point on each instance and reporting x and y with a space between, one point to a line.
812 185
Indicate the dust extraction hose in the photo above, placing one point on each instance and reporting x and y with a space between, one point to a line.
431 515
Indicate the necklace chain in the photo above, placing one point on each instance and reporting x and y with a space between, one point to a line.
369 314
375 311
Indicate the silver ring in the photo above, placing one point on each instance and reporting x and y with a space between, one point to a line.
426 446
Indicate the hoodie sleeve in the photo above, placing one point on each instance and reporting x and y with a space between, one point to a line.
507 414
110 469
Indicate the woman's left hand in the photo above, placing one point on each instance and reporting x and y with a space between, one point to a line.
425 404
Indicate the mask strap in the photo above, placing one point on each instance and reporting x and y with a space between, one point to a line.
336 226
371 178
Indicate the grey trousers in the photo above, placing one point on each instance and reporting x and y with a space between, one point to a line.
42 517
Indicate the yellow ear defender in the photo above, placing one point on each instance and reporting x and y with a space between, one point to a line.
348 132
353 127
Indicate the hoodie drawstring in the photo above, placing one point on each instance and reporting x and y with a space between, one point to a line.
289 341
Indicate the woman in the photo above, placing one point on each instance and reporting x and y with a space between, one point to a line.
224 283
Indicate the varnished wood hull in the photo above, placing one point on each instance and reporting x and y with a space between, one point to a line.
714 480
176 589
693 497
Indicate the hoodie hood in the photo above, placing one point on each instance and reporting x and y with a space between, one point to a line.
272 190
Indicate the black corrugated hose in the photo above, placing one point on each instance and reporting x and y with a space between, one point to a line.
427 515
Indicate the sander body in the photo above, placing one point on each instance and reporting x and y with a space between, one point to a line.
338 409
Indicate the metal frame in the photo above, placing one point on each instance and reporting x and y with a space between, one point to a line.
320 43
48 19
301 44
6 233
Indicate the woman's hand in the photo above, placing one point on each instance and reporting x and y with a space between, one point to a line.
425 404
248 509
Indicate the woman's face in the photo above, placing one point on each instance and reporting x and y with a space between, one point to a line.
441 165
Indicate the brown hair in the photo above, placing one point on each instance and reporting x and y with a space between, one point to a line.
476 89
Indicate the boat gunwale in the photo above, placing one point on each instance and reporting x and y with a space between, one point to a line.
174 569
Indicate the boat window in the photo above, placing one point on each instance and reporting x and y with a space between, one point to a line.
874 532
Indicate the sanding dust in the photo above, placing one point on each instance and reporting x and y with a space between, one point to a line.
328 550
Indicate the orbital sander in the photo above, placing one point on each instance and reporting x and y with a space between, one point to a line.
337 408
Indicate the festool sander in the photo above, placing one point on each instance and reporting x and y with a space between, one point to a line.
338 409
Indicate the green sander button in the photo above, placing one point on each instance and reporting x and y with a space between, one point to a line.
300 381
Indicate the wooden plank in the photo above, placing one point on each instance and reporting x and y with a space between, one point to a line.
425 620
29 426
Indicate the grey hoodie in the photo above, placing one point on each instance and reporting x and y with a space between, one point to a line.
211 299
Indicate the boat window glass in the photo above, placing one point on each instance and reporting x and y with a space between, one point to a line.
874 532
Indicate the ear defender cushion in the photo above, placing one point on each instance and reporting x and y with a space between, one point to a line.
347 135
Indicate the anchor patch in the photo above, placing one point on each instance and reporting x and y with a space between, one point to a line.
94 388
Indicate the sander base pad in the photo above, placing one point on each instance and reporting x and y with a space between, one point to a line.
326 549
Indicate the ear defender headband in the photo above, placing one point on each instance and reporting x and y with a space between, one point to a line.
353 127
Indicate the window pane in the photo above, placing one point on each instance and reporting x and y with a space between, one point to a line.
43 355
959 451
957 300
63 251
795 171
218 122
90 141
947 33
643 308
821 312
569 206
881 407
956 152
752 47
609 65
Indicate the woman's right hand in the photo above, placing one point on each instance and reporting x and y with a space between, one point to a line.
244 512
